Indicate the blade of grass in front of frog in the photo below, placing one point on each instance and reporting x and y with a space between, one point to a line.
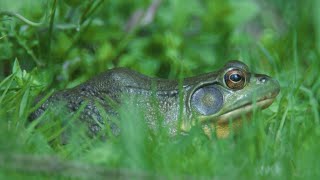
24 101
283 105
47 124
295 55
39 103
114 107
20 105
241 124
316 89
32 126
313 103
10 79
283 119
112 103
181 121
295 84
258 124
69 122
291 101
316 85
159 119
107 119
272 117
4 81
3 36
35 122
254 104
134 134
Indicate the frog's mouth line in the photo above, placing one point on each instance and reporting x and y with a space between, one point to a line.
224 118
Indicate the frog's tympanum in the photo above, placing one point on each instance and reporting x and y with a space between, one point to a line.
217 101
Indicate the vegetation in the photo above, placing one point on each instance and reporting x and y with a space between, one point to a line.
46 45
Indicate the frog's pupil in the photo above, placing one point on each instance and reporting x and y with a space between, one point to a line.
235 77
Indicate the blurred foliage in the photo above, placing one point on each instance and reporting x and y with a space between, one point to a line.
59 44
195 36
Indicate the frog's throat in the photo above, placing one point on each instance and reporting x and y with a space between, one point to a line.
248 108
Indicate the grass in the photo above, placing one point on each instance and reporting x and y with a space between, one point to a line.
68 42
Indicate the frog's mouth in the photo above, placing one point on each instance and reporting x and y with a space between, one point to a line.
243 110
221 124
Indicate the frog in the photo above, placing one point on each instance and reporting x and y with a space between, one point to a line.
216 101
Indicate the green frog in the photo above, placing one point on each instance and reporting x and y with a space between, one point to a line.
212 100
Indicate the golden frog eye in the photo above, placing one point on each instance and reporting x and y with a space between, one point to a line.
235 79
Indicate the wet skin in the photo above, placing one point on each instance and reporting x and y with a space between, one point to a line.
212 99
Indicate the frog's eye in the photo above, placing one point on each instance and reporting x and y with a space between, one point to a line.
235 79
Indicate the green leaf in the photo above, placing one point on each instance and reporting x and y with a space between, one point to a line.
5 89
24 102
16 69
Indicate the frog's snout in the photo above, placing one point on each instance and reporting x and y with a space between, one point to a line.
276 87
269 83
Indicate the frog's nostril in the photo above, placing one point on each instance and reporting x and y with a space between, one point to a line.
263 79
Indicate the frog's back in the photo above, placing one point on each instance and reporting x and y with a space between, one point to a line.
118 78
112 84
124 78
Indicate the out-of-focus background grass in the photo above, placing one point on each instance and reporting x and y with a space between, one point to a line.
68 42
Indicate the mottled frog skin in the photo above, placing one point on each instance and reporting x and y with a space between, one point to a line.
212 99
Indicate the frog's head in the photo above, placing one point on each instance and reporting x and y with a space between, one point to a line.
234 92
